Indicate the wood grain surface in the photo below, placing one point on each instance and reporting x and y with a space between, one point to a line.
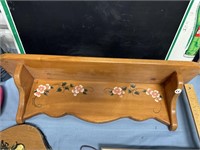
23 137
98 89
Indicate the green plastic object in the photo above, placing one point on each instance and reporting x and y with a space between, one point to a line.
195 43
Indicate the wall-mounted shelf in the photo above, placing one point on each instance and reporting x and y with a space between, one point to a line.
98 89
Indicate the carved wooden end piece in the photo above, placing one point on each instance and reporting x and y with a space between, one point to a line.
24 82
173 87
98 89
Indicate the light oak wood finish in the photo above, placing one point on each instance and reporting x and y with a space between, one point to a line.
22 74
194 106
23 137
110 88
175 81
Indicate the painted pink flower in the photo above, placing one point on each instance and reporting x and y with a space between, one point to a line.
75 92
149 91
155 94
48 87
121 95
118 91
157 99
41 88
78 89
38 94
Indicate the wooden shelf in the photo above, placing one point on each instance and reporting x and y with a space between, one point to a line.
98 89
98 104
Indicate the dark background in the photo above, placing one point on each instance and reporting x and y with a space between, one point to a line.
118 29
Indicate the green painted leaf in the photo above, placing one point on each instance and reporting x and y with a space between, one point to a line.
51 87
144 91
59 90
47 91
45 94
137 93
64 83
124 88
71 85
161 96
66 88
84 93
129 91
133 85
111 94
35 91
85 90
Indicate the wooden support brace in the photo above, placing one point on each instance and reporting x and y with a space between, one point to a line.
23 80
173 87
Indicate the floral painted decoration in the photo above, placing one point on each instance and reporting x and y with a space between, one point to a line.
79 89
155 94
121 91
62 87
75 91
118 91
42 89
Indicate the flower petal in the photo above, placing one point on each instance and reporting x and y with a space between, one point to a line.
37 94
155 91
48 86
41 88
115 88
156 100
148 90
119 93
151 92
82 90
147 93
113 91
76 91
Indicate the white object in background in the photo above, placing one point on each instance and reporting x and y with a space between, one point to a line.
2 21
182 37
11 27
7 44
